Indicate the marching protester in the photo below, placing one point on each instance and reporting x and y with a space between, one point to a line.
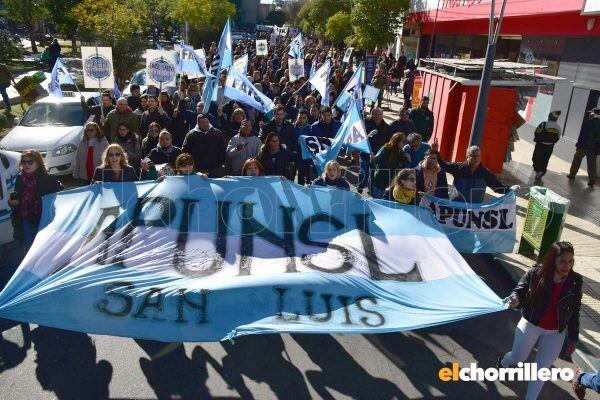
100 112
242 147
404 124
303 128
588 146
380 82
134 99
275 159
131 144
151 140
122 114
166 104
194 95
182 122
283 128
332 177
5 79
326 126
184 166
115 167
471 177
207 146
545 136
423 119
407 88
231 127
389 159
164 152
378 134
403 188
89 152
141 108
33 182
430 177
549 299
153 114
415 149
181 92
252 167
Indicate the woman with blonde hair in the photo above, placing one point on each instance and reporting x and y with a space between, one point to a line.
115 167
33 182
389 159
332 177
89 153
403 188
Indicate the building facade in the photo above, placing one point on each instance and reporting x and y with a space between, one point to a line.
562 35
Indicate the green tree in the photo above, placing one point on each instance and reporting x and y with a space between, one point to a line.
205 17
60 12
375 22
26 12
315 13
8 48
339 27
118 25
276 17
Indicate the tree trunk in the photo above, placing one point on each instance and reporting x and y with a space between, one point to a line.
73 45
31 33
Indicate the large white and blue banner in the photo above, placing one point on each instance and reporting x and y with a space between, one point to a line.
488 227
192 259
239 88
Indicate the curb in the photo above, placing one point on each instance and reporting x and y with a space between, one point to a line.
580 358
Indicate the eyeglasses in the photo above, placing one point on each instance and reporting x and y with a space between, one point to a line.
28 162
114 155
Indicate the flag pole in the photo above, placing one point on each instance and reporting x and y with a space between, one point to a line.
100 91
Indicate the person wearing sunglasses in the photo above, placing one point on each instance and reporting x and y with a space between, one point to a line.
89 152
115 166
403 188
32 183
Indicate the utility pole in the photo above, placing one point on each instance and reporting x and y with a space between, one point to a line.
486 76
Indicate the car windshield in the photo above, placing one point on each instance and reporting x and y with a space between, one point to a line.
139 78
61 114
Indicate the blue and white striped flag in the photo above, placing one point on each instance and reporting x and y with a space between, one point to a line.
320 81
59 76
223 59
349 92
297 47
239 88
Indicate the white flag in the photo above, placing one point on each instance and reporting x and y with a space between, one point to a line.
241 64
320 81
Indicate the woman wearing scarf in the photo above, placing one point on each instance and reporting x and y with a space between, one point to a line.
32 183
89 152
403 189
130 142
430 177
163 153
389 159
151 141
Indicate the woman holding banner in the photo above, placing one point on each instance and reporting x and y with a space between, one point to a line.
332 177
275 159
32 183
115 166
549 298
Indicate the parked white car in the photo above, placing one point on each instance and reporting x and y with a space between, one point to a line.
139 78
53 126
9 169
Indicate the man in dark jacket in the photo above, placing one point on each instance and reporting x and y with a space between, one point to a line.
423 119
430 177
404 124
5 79
283 128
470 177
379 134
98 111
133 101
326 126
153 114
588 146
207 146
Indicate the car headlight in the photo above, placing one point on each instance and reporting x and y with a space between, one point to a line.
64 150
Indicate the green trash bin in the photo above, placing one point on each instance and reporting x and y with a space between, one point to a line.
38 77
546 214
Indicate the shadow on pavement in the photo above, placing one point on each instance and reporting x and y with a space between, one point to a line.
341 372
11 353
66 365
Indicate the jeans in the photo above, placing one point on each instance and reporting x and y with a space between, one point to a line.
377 193
30 229
5 97
590 380
549 345
591 163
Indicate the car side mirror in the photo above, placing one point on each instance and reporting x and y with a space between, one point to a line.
127 82
16 121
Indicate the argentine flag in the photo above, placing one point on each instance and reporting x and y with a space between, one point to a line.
222 60
354 84
239 88
59 76
297 47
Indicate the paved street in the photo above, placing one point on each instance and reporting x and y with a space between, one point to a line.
45 363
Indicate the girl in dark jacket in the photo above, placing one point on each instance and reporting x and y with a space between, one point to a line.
151 141
275 159
32 183
549 299
332 177
115 167
403 188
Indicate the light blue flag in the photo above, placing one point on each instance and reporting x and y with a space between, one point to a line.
239 88
297 47
313 70
352 134
222 60
189 259
354 83
196 65
320 81
489 227
116 90
59 76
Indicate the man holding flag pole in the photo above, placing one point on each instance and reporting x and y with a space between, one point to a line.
222 60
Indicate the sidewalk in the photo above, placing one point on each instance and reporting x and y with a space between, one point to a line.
581 228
